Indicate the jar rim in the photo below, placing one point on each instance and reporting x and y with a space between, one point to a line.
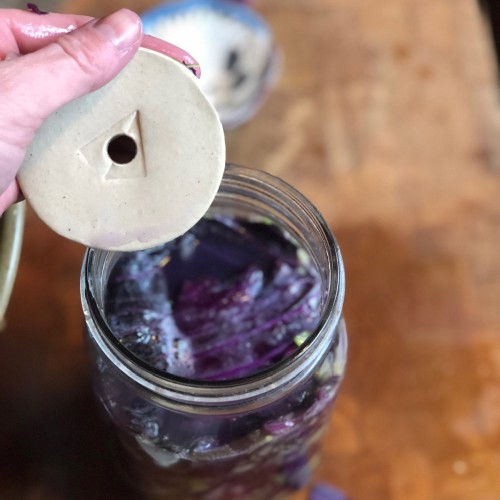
280 375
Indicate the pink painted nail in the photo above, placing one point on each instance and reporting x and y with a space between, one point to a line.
170 50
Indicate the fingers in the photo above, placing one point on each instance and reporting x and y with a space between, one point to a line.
30 31
34 85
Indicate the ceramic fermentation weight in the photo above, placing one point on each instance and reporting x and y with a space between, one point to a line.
131 165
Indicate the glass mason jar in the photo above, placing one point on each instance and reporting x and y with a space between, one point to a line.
255 437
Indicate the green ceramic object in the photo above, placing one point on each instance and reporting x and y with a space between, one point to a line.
11 236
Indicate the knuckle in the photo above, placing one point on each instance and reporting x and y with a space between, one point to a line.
86 56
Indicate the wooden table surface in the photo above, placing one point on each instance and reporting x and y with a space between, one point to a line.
387 117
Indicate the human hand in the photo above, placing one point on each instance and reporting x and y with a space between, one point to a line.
47 61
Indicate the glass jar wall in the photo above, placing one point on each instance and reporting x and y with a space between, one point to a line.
247 432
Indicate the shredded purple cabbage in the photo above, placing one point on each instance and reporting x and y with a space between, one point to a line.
224 301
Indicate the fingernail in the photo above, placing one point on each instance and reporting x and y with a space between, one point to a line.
122 28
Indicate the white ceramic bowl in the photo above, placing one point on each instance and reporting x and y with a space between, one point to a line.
233 45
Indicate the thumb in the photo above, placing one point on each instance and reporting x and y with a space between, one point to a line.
34 85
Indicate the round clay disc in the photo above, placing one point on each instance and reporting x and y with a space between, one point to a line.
132 165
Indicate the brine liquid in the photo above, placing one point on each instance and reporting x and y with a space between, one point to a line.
226 300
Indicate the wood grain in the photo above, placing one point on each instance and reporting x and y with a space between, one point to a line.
387 117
